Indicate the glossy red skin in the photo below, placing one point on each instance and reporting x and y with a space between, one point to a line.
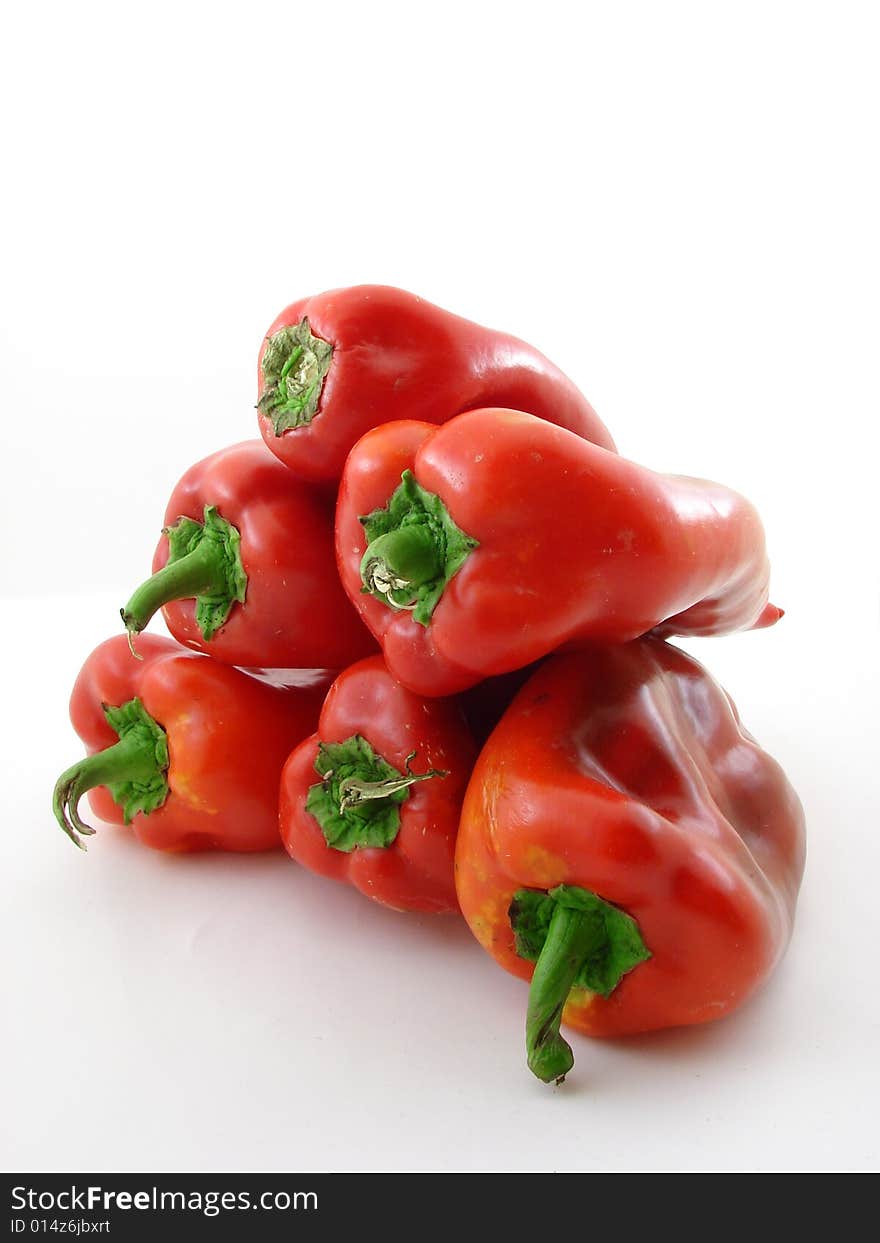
575 543
626 771
295 614
396 356
228 737
414 873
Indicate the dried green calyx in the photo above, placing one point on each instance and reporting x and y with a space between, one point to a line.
294 365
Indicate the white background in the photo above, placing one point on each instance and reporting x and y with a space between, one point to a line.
678 203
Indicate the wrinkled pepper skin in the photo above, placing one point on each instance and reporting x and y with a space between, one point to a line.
294 614
572 543
625 771
415 871
228 735
396 356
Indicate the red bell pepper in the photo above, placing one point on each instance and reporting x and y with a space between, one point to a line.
373 798
185 749
627 846
334 365
475 548
245 569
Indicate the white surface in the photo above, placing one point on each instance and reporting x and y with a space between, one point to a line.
679 205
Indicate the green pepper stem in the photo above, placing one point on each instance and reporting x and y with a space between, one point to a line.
352 790
133 758
402 560
572 936
201 572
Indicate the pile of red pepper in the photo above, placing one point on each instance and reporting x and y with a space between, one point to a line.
438 520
